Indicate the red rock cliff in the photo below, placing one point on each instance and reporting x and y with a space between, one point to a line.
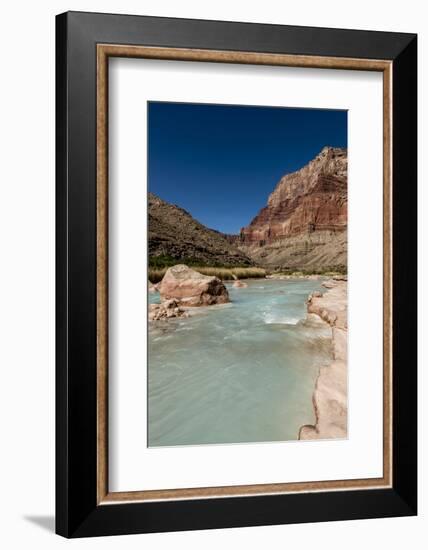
313 199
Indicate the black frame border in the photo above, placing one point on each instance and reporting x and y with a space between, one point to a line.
77 512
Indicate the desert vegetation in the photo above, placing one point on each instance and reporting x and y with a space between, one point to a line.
325 271
224 273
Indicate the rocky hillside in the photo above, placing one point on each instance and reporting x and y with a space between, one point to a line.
174 234
305 221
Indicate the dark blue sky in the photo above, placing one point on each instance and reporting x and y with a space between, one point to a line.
221 162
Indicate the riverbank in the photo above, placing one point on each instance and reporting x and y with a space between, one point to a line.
336 275
330 397
223 273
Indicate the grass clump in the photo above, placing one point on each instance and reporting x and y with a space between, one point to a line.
326 271
164 261
230 273
224 273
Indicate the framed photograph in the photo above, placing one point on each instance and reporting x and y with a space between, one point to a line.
236 274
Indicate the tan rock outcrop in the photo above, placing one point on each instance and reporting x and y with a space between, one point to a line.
166 310
190 288
330 397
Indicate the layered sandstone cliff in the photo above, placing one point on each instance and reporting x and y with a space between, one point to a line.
304 223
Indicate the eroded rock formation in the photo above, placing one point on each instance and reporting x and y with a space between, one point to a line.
330 396
166 310
304 223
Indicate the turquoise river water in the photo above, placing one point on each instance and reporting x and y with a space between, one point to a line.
239 372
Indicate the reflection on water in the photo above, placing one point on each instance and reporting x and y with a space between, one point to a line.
239 372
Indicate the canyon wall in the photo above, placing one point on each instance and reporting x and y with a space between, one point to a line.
305 221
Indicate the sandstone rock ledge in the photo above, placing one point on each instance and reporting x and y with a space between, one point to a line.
330 397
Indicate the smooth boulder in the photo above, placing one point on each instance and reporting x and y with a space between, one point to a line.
192 289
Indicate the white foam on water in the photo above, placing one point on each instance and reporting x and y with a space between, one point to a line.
272 319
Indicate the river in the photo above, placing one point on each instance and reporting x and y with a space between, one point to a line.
236 373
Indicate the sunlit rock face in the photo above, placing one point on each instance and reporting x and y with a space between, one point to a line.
306 210
190 288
